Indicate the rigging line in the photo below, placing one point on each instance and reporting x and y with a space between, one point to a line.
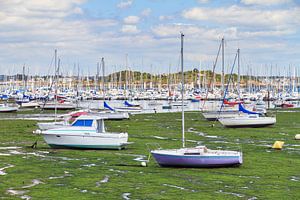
228 82
213 72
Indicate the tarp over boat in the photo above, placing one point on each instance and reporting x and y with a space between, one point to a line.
108 107
242 109
126 103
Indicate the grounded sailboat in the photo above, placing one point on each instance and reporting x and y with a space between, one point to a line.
87 132
198 156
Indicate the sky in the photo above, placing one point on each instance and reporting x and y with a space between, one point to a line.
147 33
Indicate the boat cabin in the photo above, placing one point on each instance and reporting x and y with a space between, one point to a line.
90 121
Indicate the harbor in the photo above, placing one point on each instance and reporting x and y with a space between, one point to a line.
144 99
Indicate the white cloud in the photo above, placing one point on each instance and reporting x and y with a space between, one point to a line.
236 15
146 12
125 4
131 29
131 20
165 17
265 2
203 1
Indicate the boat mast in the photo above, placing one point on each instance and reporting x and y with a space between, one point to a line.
103 77
238 78
223 66
182 91
55 77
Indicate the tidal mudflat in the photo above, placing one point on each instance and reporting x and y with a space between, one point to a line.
45 173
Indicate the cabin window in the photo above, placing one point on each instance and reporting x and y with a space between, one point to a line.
86 122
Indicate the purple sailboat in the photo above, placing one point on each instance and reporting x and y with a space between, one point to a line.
198 156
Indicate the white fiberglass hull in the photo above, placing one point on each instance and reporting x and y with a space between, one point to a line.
8 109
30 105
129 109
58 106
113 115
62 138
215 115
248 122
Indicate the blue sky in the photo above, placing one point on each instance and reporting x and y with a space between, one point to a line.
83 31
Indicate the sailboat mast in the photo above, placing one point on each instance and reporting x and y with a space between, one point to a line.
182 91
103 77
222 76
55 77
238 78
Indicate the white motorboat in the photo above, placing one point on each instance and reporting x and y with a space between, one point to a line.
251 120
7 108
86 132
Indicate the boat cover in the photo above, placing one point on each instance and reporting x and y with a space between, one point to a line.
108 107
242 109
128 104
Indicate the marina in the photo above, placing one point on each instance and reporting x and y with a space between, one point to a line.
143 99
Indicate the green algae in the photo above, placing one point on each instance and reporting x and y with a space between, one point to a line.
69 174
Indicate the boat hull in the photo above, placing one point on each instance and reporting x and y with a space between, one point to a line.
213 116
86 140
196 161
8 109
245 123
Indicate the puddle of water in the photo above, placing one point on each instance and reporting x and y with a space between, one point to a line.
8 148
256 177
295 178
161 138
104 180
195 141
26 197
2 172
141 159
119 171
231 193
252 198
89 165
34 183
178 187
126 196
211 136
15 192
5 154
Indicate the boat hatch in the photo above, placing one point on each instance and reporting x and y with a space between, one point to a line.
83 122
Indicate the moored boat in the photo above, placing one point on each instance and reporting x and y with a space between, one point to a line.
251 120
198 156
7 108
87 132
